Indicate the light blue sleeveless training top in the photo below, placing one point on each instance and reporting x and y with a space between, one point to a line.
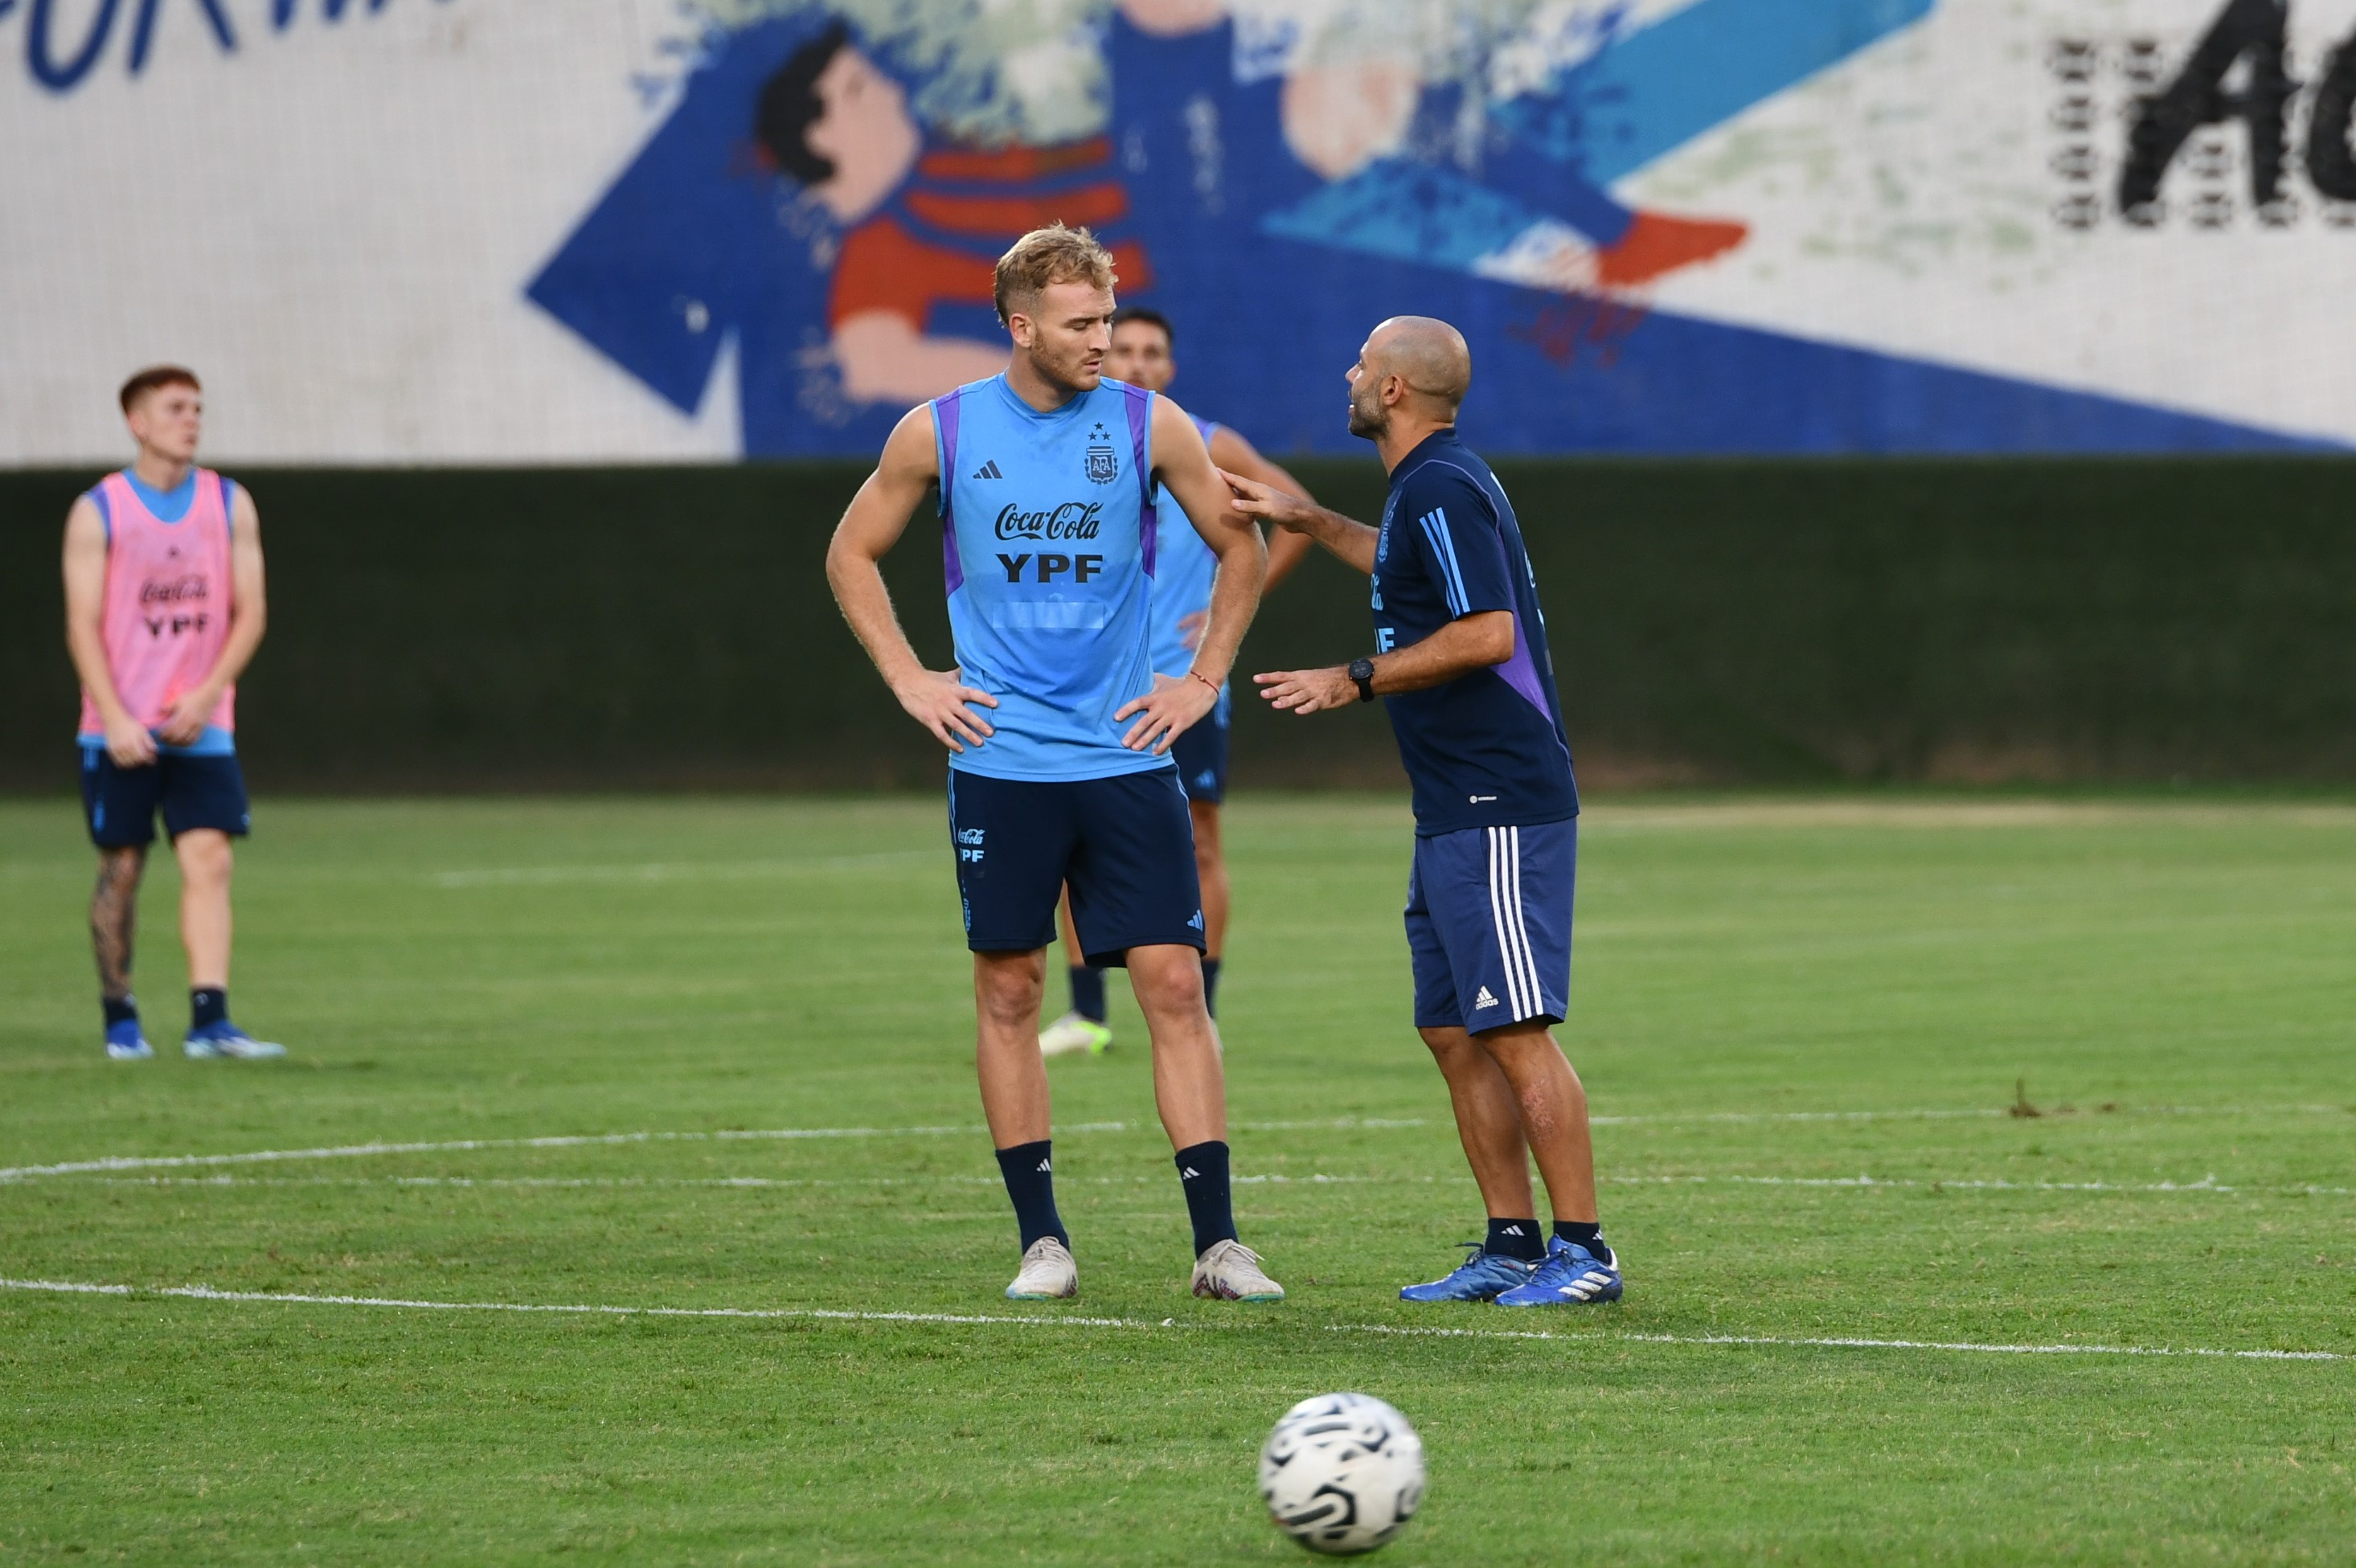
1047 547
1184 567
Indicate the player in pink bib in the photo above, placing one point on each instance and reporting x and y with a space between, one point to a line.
164 609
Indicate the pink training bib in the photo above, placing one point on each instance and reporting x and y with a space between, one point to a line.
165 617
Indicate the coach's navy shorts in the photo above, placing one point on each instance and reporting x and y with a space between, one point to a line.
1488 924
119 805
1125 844
1201 754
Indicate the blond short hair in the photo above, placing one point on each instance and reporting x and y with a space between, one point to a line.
1051 255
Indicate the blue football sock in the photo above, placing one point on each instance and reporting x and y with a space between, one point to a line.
1516 1238
1211 986
1030 1173
1203 1173
1088 993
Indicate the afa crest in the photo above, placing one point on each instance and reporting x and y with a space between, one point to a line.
1103 464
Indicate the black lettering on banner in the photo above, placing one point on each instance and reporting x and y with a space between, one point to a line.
154 625
1085 568
2330 163
1051 564
2246 31
1014 565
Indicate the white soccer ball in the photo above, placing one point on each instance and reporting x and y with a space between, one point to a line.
1341 1473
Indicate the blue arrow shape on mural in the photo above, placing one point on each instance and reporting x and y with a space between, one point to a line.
1636 99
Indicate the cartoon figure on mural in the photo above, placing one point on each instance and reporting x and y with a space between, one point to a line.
923 226
795 204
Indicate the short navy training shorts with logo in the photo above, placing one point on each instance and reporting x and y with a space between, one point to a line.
1125 844
1201 754
1488 925
119 803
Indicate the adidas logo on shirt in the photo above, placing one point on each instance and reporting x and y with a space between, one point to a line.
1483 1000
987 471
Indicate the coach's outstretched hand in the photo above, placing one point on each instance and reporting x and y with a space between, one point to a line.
1270 503
1308 690
1175 705
937 699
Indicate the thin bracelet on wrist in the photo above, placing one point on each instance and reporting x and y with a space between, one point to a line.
1206 680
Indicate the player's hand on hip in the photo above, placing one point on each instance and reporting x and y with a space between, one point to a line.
1173 706
938 699
186 721
128 742
1308 690
1268 503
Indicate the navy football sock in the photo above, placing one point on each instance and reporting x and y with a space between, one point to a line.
121 1010
208 1005
1211 986
1030 1173
1516 1238
1202 1172
1585 1234
1088 993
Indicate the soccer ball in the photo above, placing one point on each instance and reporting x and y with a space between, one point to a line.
1341 1473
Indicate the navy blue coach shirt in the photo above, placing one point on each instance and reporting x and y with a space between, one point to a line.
1487 749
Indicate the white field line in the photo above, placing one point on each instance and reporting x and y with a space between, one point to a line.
591 1140
2204 1187
1956 813
207 1292
586 1140
669 870
722 1182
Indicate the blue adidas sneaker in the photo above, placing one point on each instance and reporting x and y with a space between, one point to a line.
1571 1276
224 1042
126 1042
1482 1277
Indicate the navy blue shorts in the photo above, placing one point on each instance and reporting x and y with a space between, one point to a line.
1488 925
119 805
1125 844
1201 754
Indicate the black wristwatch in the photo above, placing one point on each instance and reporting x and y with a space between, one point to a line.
1363 672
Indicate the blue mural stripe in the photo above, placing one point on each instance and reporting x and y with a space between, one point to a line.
1414 212
1637 99
1658 88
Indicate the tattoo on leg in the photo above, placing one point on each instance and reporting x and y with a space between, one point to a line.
114 914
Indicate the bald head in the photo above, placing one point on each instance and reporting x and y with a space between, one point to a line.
1429 355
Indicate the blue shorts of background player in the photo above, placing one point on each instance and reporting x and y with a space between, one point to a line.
1488 925
119 805
1201 754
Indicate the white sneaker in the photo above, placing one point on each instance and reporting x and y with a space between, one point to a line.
226 1043
1048 1274
1231 1272
1073 1035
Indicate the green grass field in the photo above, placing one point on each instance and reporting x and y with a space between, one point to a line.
1801 1024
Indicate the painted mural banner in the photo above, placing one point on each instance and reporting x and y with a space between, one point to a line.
521 231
